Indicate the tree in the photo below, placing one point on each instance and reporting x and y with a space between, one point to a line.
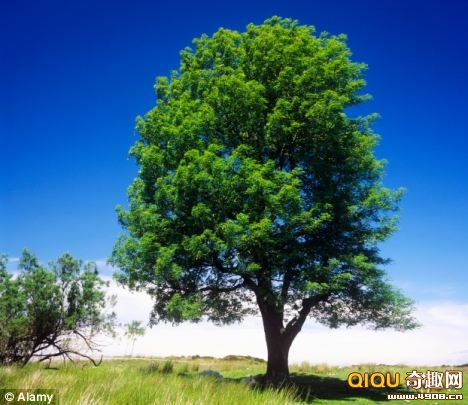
47 313
258 191
133 331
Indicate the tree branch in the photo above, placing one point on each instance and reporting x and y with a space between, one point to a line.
67 352
285 286
294 326
222 289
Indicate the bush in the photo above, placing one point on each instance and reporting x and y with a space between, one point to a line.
167 367
47 312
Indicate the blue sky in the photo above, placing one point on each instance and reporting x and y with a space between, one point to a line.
74 75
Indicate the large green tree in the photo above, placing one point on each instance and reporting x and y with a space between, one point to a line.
259 191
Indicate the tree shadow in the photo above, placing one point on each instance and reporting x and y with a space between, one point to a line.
309 388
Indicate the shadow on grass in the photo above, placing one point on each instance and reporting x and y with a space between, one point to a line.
313 387
305 387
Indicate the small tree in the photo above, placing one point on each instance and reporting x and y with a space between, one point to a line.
258 190
46 313
133 331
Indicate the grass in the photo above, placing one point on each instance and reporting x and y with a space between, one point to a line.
176 381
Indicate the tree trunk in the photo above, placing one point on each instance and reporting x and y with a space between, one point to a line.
279 337
277 366
278 344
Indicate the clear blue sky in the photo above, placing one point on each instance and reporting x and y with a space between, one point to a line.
74 75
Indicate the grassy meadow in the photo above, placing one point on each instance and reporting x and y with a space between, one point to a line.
177 381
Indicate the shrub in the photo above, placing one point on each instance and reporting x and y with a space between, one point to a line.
49 312
167 367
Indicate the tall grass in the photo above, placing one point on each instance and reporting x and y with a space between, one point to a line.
177 381
135 382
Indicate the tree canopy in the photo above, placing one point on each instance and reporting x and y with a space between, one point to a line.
51 312
259 190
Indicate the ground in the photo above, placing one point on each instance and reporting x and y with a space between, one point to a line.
177 381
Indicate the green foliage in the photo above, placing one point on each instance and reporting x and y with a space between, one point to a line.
44 312
134 329
257 186
167 367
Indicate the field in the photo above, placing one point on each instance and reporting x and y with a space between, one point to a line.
178 381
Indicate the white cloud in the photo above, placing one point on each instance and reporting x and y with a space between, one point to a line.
441 339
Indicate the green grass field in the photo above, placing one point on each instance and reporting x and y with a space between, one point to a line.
177 381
